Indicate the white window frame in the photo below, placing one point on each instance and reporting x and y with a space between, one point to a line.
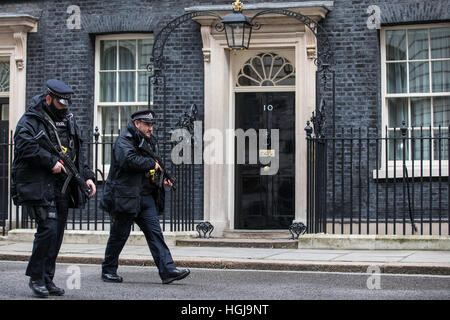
414 167
98 104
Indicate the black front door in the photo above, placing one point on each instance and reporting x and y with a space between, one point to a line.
266 201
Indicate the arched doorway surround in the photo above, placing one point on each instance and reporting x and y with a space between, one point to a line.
289 38
277 32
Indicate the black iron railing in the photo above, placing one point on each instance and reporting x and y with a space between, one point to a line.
4 162
184 206
366 182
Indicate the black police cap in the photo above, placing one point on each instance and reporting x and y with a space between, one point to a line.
60 91
144 116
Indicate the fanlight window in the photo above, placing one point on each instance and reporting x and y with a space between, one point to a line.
266 69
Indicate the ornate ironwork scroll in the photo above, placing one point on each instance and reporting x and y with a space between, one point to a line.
205 227
298 228
163 35
325 54
318 119
186 121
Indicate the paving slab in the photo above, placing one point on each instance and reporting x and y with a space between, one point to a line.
307 256
225 252
429 257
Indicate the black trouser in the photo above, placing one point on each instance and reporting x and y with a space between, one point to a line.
148 221
48 240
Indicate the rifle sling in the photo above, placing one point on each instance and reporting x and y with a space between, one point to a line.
69 176
56 134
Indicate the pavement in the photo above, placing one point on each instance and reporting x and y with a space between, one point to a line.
324 260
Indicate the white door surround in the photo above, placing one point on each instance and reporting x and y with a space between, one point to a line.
279 34
13 47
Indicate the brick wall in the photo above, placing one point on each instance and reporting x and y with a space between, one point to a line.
58 52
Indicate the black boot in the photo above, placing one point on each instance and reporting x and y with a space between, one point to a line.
38 288
54 290
111 277
177 274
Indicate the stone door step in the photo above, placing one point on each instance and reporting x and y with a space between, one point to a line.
239 243
257 234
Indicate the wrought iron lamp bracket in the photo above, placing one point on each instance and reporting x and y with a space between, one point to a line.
163 35
325 55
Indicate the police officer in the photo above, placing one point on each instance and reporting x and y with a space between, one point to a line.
38 175
129 196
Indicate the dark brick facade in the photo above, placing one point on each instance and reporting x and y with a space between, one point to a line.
57 52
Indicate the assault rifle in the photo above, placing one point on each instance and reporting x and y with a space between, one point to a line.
164 173
72 171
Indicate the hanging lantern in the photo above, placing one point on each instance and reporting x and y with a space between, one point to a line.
238 28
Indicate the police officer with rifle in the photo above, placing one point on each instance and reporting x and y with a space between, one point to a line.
49 175
134 192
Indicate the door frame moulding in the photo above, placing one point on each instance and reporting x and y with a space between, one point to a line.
277 33
14 29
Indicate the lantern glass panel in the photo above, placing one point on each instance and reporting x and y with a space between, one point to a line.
229 35
237 33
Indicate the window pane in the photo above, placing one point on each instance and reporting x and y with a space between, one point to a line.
440 43
257 65
396 77
398 111
440 144
286 69
396 45
145 52
419 77
4 76
267 60
395 147
143 86
127 86
277 64
441 111
441 76
110 119
289 81
421 145
125 115
251 74
109 140
107 87
418 44
127 54
244 81
420 112
4 111
108 54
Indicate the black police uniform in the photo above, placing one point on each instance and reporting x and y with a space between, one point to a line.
129 197
37 189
